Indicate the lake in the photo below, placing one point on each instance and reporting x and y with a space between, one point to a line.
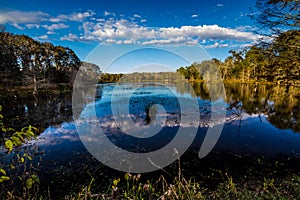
262 122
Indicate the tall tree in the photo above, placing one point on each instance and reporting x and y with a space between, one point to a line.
278 15
32 62
286 55
8 62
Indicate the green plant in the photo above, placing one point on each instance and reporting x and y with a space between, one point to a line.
84 194
134 188
229 186
178 188
20 160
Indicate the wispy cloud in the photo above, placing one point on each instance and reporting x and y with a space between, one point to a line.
34 19
136 16
171 41
70 37
32 26
220 5
50 32
247 28
194 16
21 17
42 37
79 16
53 27
216 45
106 13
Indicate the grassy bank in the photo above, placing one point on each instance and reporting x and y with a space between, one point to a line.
132 186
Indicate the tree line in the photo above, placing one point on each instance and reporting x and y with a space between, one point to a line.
27 62
278 61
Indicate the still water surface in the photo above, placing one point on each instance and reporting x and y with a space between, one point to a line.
261 121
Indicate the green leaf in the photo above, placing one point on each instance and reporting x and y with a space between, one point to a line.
24 129
3 171
116 181
4 178
20 135
35 178
12 166
10 129
16 141
9 145
29 183
30 133
126 176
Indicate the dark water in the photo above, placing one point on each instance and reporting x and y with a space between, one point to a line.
262 121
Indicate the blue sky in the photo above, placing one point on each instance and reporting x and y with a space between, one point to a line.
216 25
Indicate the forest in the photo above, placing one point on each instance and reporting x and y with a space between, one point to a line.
276 62
28 63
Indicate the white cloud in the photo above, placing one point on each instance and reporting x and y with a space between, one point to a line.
18 26
173 41
123 31
113 41
80 16
42 37
207 32
246 28
32 26
106 13
216 45
50 32
22 17
70 37
118 29
53 27
58 19
220 5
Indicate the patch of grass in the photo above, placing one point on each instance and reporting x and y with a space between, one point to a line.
132 187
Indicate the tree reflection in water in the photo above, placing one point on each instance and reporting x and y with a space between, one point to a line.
280 104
